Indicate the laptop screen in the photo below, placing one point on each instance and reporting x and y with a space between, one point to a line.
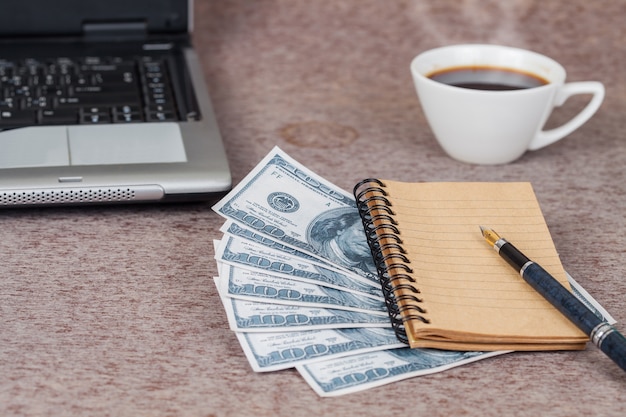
68 17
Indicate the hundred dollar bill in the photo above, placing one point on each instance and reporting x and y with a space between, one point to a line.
247 254
233 229
253 316
360 372
257 286
288 203
367 370
589 301
274 351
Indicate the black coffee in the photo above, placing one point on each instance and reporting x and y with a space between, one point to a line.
488 78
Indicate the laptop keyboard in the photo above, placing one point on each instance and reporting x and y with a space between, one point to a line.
89 90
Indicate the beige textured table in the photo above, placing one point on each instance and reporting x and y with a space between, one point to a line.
112 310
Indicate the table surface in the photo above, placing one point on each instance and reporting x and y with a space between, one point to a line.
113 311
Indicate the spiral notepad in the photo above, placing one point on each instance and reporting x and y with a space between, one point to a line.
444 287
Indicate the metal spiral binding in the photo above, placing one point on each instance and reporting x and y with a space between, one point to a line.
388 232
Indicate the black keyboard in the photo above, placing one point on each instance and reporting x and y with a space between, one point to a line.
86 90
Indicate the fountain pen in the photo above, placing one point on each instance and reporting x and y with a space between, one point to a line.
601 333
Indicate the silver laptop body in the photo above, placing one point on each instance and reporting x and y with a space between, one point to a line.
106 153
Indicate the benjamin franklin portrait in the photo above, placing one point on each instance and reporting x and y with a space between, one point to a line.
338 236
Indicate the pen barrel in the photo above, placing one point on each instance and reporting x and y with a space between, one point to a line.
602 334
560 297
614 346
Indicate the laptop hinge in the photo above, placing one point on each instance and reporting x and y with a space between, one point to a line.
115 30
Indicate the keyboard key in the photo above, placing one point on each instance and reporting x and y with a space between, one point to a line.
94 118
127 109
127 114
160 108
17 118
8 103
88 100
127 117
58 116
102 89
159 116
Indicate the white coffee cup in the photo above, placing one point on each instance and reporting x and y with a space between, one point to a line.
496 127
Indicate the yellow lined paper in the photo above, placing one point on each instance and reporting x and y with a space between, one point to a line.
472 298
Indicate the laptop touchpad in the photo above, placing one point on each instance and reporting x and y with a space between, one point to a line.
136 143
42 146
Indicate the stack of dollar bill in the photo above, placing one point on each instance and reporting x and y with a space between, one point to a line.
299 287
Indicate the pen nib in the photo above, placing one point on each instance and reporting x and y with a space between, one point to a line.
490 236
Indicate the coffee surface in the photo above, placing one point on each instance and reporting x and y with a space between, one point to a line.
488 78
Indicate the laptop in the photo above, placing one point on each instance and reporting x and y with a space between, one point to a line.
103 101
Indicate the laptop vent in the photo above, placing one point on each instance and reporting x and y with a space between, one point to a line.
79 195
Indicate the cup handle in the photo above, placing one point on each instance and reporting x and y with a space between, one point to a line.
546 137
